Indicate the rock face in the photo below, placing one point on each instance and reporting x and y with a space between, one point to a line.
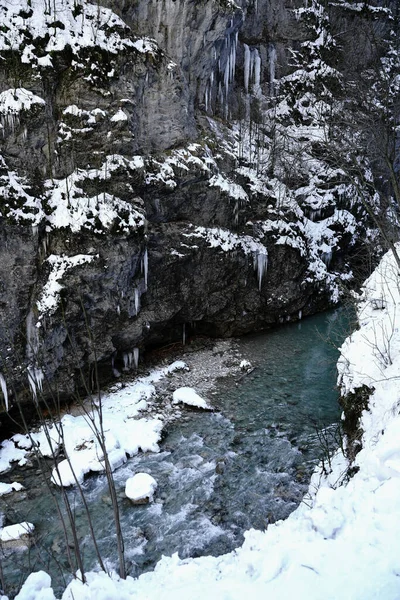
167 169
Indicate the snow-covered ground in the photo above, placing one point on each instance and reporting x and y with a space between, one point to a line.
344 539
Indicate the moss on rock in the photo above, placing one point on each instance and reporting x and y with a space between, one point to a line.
353 404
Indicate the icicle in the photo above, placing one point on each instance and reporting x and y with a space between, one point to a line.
252 56
183 334
226 77
146 267
137 300
233 57
39 378
315 215
272 64
32 340
247 56
3 386
300 315
260 262
115 371
136 357
257 71
44 245
35 380
220 94
127 357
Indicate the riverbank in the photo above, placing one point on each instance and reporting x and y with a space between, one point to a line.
344 540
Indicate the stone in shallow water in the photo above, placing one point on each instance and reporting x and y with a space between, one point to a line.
140 488
16 536
189 396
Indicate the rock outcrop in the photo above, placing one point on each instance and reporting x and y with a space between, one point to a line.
166 171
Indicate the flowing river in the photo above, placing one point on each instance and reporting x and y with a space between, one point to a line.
245 465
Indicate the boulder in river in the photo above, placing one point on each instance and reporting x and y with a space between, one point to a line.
140 488
16 536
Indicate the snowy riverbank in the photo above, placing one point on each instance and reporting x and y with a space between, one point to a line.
343 541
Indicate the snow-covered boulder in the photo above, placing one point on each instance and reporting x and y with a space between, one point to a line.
140 488
16 536
189 396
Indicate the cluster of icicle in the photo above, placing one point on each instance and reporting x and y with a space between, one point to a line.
223 70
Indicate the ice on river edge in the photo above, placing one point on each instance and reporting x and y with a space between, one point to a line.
336 543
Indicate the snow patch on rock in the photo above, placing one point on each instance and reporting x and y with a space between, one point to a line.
189 396
140 488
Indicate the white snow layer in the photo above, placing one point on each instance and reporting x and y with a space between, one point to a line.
16 532
15 100
344 539
189 396
140 488
24 21
124 431
8 488
73 209
51 291
37 587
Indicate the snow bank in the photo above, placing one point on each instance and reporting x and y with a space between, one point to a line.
126 432
37 587
189 396
372 353
140 488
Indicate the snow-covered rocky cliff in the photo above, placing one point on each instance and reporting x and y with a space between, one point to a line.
174 167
